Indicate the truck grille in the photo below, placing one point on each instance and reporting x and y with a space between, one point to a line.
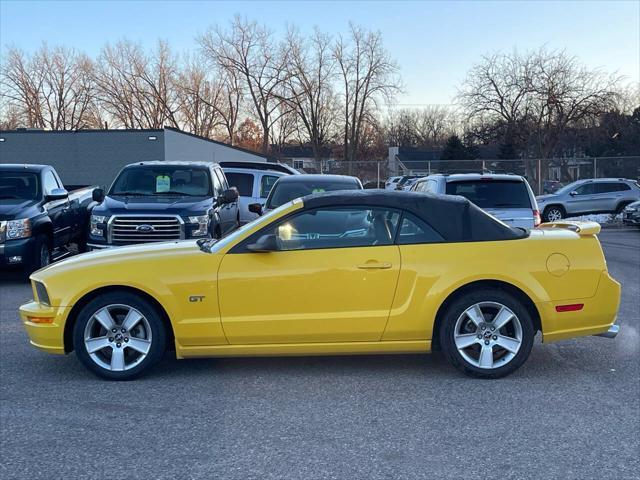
124 229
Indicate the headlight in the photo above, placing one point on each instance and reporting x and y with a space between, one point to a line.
18 229
203 225
97 225
41 292
630 209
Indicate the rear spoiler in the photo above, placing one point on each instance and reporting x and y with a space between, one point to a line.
581 228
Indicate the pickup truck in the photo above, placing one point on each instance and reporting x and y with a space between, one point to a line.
162 201
39 216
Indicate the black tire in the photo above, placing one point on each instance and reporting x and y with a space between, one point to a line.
455 312
41 255
157 333
553 209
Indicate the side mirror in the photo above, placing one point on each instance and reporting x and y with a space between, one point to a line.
573 193
255 208
57 194
228 196
97 195
266 243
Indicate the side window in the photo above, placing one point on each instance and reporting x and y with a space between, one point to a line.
242 181
611 187
588 189
431 186
420 187
266 183
413 230
49 182
334 228
222 178
217 184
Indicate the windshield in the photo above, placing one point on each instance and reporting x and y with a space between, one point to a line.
263 220
283 192
19 185
568 188
492 193
162 180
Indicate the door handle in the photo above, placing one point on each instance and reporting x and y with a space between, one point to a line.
374 266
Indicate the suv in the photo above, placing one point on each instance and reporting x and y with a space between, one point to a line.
602 195
163 201
507 197
253 184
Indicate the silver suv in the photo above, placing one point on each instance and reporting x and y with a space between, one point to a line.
507 197
602 195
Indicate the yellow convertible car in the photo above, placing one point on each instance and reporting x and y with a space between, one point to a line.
357 272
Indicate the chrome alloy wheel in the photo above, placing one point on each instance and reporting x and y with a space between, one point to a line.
554 215
117 337
488 335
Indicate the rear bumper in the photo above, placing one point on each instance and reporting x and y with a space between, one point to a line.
597 316
48 337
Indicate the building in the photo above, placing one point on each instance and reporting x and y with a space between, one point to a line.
94 157
301 157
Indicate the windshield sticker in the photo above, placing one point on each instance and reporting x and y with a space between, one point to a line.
163 183
317 190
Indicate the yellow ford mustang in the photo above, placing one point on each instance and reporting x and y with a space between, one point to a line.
337 273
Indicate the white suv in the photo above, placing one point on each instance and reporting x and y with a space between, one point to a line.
507 197
254 182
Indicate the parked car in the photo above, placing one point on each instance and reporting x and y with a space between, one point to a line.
602 195
631 214
551 186
507 197
162 201
336 273
253 184
289 187
39 216
391 182
406 182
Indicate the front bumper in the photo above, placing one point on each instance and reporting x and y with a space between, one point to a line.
16 252
48 337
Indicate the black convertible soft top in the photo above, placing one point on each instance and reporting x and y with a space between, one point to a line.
454 217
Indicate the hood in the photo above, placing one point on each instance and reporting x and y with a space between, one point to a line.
544 198
14 208
119 204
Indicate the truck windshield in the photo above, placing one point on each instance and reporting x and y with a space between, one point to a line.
492 193
161 180
19 185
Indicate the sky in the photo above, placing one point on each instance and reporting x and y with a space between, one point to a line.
434 42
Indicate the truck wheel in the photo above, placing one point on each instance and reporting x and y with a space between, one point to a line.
41 255
119 336
487 333
553 213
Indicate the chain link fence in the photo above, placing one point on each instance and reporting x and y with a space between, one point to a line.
544 175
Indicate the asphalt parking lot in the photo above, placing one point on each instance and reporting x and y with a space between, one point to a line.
572 411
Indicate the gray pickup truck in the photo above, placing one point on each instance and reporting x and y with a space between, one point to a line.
39 217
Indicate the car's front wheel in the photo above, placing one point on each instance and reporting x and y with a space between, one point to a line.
119 335
487 333
553 214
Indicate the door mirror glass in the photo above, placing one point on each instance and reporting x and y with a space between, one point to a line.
57 194
266 243
97 195
255 208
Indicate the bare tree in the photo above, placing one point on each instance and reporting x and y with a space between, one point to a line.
424 127
310 89
368 75
52 89
137 90
250 54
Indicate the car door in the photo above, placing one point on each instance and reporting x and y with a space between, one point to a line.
331 279
59 211
584 199
608 195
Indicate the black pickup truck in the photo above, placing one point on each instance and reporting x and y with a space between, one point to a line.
39 217
162 201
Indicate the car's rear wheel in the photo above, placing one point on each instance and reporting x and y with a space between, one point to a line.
487 333
119 336
554 213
